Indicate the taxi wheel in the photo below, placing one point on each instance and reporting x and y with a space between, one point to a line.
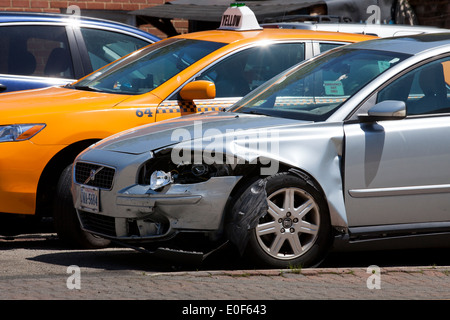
295 231
66 220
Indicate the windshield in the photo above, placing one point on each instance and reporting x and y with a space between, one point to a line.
149 68
314 90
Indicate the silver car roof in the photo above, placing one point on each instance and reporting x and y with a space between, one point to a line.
407 44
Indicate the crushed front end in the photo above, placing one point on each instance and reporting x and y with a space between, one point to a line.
145 199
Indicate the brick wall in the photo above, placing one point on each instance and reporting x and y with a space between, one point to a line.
57 6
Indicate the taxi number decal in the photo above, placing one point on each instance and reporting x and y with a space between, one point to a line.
140 113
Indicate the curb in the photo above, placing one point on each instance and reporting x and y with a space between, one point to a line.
444 270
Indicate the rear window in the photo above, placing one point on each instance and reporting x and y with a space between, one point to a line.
35 51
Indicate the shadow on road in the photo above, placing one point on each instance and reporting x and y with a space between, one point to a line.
121 258
117 257
129 259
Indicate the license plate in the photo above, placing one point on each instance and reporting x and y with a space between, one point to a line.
89 199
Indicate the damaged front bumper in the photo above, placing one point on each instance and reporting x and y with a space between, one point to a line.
139 214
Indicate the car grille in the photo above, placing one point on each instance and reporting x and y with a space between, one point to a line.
94 175
98 223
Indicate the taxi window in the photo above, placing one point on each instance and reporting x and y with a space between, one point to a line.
314 90
148 68
244 71
35 51
325 46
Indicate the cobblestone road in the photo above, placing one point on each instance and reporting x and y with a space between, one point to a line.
422 283
40 270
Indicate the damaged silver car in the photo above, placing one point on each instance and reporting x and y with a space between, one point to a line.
347 149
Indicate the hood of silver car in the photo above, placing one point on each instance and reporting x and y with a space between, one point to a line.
166 133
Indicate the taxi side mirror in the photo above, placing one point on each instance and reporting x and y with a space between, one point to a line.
200 89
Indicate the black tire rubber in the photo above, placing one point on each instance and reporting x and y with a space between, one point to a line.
319 245
66 220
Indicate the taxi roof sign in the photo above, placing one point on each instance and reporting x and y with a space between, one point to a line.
239 17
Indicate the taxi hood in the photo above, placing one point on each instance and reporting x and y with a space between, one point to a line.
189 128
34 105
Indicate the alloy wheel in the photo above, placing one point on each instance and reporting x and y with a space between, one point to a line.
291 225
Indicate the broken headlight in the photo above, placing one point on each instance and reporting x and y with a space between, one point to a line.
159 179
161 171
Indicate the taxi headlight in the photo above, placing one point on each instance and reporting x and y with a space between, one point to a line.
19 132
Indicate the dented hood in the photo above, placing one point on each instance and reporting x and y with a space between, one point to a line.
200 126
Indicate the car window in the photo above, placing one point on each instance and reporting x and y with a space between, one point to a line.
238 74
106 46
425 89
314 90
35 51
149 68
328 46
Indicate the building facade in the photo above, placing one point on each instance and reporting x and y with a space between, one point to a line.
117 10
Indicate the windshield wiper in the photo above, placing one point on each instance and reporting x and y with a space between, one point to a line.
86 88
255 112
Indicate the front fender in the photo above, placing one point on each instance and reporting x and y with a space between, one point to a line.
315 149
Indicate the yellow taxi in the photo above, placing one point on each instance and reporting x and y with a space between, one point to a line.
42 130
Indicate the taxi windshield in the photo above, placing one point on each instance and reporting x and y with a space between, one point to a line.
313 91
148 68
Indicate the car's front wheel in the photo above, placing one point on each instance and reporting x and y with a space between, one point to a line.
66 220
295 230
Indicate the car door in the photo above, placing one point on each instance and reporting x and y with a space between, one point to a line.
396 171
236 75
34 56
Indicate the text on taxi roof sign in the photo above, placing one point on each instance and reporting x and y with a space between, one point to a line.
240 18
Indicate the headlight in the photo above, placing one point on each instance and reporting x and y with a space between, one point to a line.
159 179
19 132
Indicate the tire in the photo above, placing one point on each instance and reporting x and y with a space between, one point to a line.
66 220
295 231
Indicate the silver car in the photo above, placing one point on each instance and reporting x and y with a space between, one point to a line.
350 148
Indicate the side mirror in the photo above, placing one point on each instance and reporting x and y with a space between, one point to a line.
200 89
385 110
2 87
